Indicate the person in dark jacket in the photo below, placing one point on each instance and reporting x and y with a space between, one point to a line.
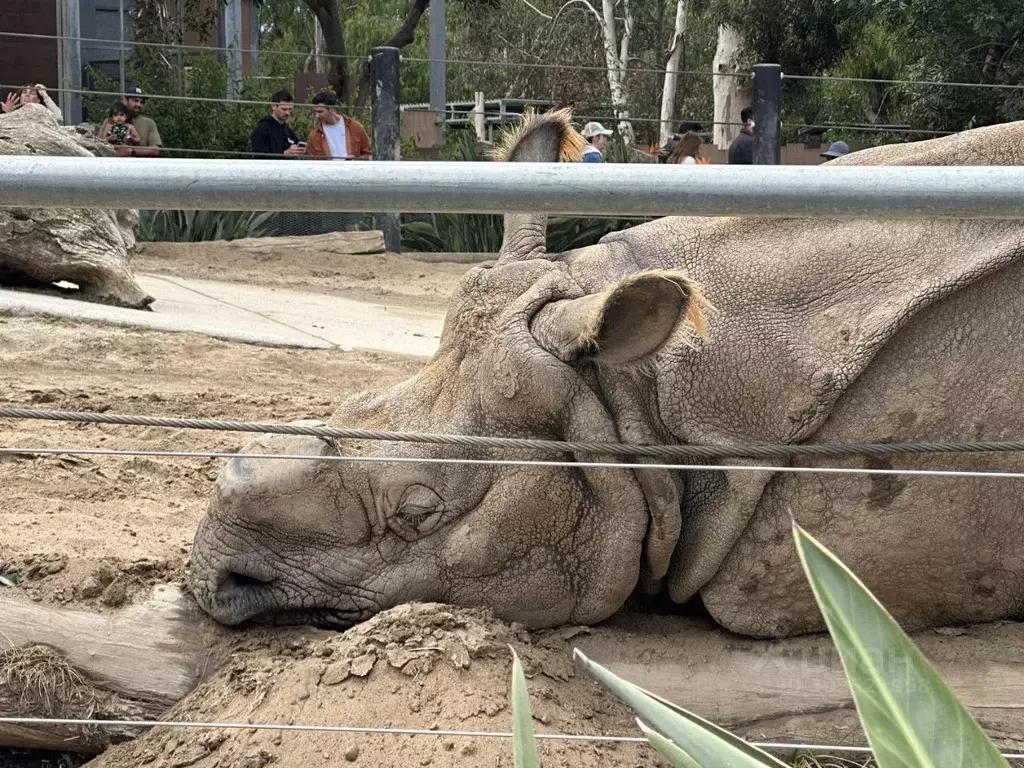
273 134
741 151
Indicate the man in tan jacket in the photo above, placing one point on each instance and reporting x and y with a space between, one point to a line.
335 136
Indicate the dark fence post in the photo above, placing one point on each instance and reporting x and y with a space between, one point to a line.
438 65
767 114
387 134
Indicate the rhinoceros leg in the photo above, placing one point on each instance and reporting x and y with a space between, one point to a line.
934 550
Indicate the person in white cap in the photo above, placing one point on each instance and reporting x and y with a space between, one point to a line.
597 139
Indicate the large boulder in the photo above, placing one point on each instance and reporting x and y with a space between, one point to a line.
89 247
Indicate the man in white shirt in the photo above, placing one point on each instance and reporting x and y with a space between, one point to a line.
334 135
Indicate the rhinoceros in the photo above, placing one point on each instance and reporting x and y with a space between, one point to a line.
682 330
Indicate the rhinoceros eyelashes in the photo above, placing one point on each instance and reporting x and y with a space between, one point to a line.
418 512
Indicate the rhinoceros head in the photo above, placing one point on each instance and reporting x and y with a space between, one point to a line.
338 537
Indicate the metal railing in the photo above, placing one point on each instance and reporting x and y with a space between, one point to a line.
487 187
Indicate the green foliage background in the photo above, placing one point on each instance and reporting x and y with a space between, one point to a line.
920 40
926 41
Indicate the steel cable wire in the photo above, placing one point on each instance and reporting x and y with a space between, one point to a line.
775 451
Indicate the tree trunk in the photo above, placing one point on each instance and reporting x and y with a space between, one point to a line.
89 247
332 25
616 54
668 93
405 35
130 665
319 46
732 94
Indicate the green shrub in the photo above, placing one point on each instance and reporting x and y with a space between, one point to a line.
200 226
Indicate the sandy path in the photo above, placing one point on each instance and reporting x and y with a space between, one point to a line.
375 278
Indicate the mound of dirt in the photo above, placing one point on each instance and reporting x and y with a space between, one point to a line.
422 666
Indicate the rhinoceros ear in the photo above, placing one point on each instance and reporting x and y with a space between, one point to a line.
625 323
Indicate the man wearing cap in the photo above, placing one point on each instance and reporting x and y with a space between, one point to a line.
597 139
836 149
149 144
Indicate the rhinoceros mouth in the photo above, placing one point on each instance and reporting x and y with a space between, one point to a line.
324 618
256 596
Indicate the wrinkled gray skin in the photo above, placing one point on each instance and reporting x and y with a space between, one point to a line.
831 331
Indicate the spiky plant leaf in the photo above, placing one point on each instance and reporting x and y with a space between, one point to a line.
911 717
524 746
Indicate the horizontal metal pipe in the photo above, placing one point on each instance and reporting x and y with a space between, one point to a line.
485 187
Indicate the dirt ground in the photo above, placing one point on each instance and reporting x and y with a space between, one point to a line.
96 530
374 278
417 666
100 531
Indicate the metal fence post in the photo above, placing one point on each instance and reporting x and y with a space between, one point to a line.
767 114
120 51
71 63
232 19
438 69
386 124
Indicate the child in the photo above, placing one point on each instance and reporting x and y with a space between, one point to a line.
118 128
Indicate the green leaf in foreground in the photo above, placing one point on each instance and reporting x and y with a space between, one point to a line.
524 747
911 717
667 749
11 579
704 742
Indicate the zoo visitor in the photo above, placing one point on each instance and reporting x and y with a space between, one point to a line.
597 139
31 94
336 136
274 135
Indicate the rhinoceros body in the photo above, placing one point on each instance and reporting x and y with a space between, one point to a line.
817 330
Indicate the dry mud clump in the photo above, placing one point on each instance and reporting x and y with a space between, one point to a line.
424 666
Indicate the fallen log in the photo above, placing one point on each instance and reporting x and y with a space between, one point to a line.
91 248
287 249
137 662
795 689
129 665
340 243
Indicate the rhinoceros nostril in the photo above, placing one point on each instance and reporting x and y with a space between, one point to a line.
233 580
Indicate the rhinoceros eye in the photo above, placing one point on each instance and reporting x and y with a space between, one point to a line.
419 511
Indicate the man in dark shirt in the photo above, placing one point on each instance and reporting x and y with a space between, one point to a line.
741 151
273 135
